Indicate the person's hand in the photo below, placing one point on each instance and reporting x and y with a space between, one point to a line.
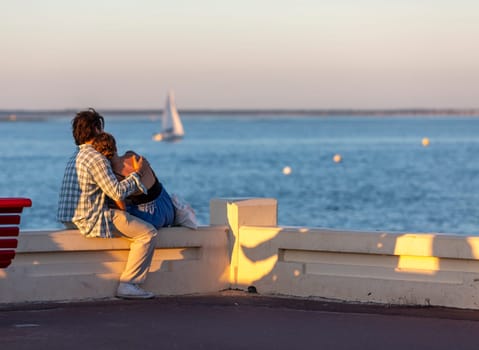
137 163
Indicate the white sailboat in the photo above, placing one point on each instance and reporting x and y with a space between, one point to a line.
171 126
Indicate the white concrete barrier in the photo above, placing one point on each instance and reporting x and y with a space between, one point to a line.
244 247
379 267
64 265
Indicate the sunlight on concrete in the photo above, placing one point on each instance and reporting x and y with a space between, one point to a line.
418 264
474 246
252 269
421 244
423 262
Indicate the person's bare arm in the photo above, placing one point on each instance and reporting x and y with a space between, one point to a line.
137 164
121 205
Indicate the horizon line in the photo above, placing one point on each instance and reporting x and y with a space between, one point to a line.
335 111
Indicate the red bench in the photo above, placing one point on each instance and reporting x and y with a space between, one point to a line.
10 210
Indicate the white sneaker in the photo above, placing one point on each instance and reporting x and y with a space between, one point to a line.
132 291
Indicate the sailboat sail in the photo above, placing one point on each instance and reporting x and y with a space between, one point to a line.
172 128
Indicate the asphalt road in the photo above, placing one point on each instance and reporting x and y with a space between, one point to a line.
234 320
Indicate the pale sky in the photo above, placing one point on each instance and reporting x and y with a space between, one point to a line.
298 54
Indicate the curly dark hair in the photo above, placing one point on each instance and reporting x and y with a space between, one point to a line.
105 144
86 125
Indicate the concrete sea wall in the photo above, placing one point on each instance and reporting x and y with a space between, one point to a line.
243 246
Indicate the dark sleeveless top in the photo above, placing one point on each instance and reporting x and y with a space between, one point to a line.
153 193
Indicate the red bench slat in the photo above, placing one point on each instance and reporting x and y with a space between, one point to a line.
7 254
14 205
9 231
15 210
15 202
5 263
9 219
8 243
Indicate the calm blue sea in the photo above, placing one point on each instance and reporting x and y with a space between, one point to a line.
386 181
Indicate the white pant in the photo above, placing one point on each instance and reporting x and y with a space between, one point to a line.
142 237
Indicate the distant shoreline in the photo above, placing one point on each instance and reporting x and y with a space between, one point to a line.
24 115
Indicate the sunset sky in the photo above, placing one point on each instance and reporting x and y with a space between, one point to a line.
243 54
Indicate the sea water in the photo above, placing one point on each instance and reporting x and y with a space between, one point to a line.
386 179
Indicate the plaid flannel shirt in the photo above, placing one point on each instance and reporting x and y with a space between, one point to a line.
88 179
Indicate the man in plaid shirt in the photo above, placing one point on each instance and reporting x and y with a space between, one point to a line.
87 182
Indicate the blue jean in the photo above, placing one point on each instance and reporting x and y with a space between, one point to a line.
159 212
